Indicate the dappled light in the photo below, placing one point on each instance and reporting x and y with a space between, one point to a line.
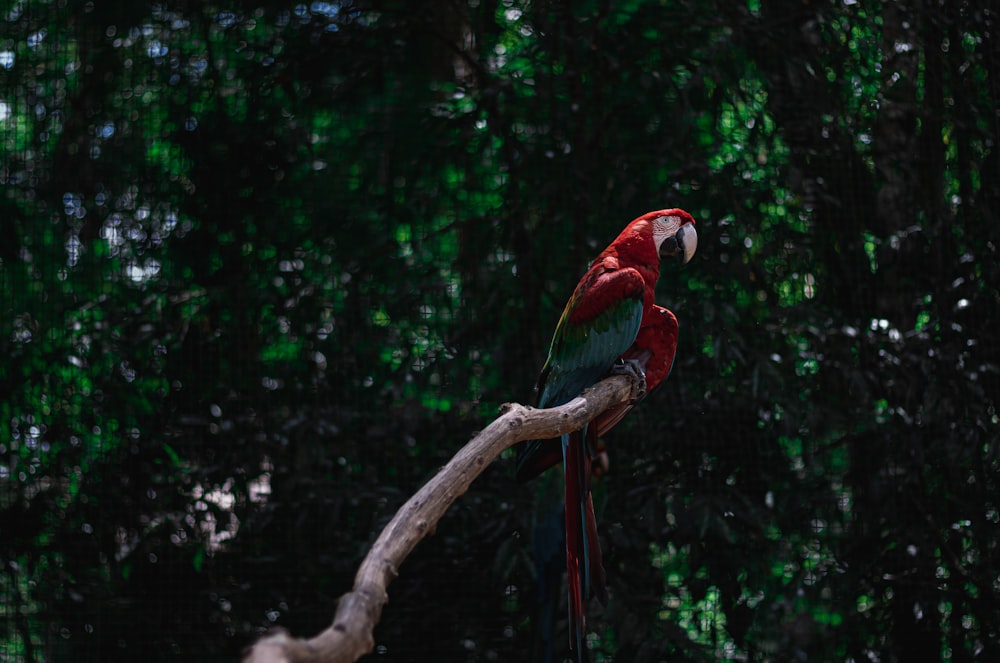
265 267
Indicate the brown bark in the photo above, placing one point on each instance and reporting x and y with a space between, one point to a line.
351 634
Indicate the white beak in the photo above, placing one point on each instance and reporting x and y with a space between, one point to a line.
687 241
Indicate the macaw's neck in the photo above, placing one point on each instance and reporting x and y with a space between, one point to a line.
635 248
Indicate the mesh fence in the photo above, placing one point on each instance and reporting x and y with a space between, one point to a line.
265 267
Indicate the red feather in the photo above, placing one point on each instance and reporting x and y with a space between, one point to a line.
606 298
585 575
604 285
654 348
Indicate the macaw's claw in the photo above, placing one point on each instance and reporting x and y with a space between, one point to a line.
635 370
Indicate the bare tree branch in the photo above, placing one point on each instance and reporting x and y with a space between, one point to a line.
350 636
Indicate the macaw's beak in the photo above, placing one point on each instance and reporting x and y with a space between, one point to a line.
683 243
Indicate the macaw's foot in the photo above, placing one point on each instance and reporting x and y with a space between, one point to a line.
635 370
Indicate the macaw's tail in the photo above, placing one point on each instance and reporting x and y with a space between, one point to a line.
548 541
584 567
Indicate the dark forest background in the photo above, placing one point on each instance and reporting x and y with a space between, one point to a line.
266 266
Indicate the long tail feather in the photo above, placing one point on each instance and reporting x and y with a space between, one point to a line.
584 567
548 534
597 581
576 461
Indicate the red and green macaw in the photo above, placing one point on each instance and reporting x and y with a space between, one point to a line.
610 323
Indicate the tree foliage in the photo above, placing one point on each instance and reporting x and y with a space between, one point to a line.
265 267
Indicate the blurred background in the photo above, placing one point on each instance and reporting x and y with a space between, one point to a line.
265 266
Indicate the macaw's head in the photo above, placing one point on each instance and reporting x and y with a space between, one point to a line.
674 233
654 235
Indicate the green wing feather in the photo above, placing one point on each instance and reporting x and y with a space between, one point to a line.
599 323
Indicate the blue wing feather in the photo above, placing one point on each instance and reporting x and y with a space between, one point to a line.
598 325
581 364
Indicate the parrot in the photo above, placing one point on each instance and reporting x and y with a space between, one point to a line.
610 324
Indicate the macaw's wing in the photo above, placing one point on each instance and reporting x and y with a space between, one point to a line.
599 323
654 349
